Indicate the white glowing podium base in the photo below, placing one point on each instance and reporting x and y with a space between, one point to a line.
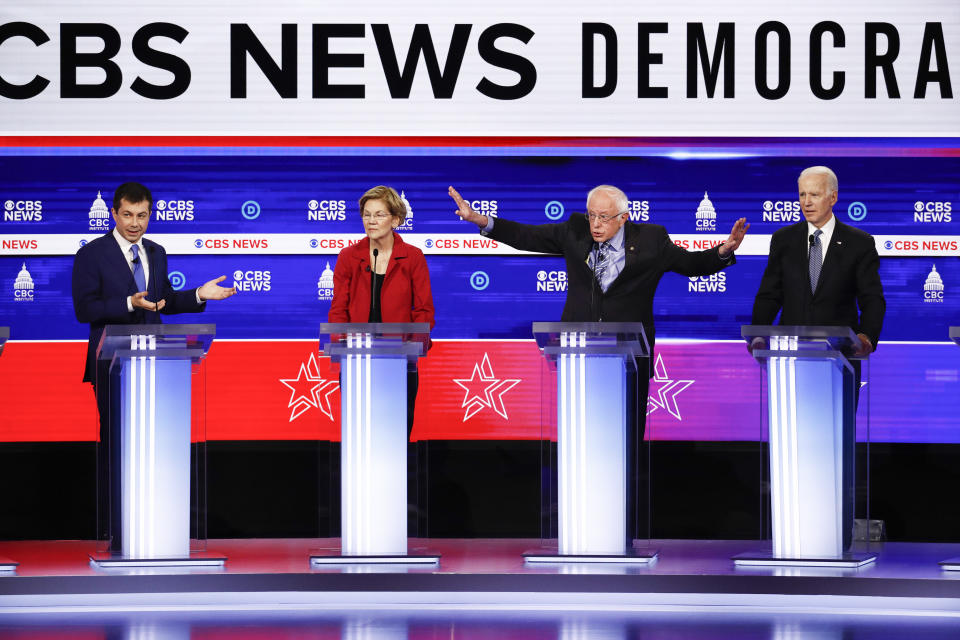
150 443
374 358
593 359
807 410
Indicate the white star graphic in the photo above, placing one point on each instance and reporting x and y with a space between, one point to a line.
484 390
308 390
666 391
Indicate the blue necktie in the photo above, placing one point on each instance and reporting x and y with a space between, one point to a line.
816 259
138 269
600 263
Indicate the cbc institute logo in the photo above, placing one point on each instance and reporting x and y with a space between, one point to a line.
933 287
99 216
325 285
23 286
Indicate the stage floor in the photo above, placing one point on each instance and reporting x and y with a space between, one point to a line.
487 574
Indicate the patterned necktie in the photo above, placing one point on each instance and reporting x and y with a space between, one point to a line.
816 259
600 263
138 268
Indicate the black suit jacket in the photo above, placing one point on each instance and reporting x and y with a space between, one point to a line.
849 279
649 253
102 280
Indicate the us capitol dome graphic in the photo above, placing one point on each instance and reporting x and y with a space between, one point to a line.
99 208
706 210
934 282
23 285
406 205
326 278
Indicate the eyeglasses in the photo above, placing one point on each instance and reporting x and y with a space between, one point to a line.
603 219
379 217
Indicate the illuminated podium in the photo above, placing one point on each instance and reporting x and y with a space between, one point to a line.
952 564
150 443
374 359
811 403
5 563
592 361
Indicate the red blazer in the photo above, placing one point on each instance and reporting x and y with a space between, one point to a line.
405 296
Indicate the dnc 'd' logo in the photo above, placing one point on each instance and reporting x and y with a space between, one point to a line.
706 215
325 285
933 287
23 286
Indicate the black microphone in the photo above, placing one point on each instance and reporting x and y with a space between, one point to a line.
373 286
153 281
594 312
813 240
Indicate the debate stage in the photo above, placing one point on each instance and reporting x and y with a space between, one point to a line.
485 574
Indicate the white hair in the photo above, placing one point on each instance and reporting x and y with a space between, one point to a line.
619 197
832 183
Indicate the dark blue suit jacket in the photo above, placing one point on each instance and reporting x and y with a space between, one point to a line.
102 280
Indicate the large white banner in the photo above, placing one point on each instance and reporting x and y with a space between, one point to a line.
498 67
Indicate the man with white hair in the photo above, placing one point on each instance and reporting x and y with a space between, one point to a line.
613 268
613 264
821 271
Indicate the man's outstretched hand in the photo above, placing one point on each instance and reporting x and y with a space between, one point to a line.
213 291
465 211
733 241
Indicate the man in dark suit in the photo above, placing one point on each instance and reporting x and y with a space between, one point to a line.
823 272
121 278
844 258
613 268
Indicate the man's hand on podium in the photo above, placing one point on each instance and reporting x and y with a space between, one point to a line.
865 347
755 344
139 301
212 291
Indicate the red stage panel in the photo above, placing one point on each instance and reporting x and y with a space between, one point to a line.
42 395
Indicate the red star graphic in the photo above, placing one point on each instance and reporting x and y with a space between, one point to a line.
484 389
667 390
302 389
307 390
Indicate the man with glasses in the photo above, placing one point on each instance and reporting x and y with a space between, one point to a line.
613 265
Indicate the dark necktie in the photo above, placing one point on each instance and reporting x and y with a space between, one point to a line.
816 259
138 268
601 262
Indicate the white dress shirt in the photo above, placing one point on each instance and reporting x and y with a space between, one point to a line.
827 229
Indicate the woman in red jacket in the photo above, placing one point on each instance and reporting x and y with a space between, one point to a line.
382 278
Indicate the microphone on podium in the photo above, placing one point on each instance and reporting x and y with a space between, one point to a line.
373 288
